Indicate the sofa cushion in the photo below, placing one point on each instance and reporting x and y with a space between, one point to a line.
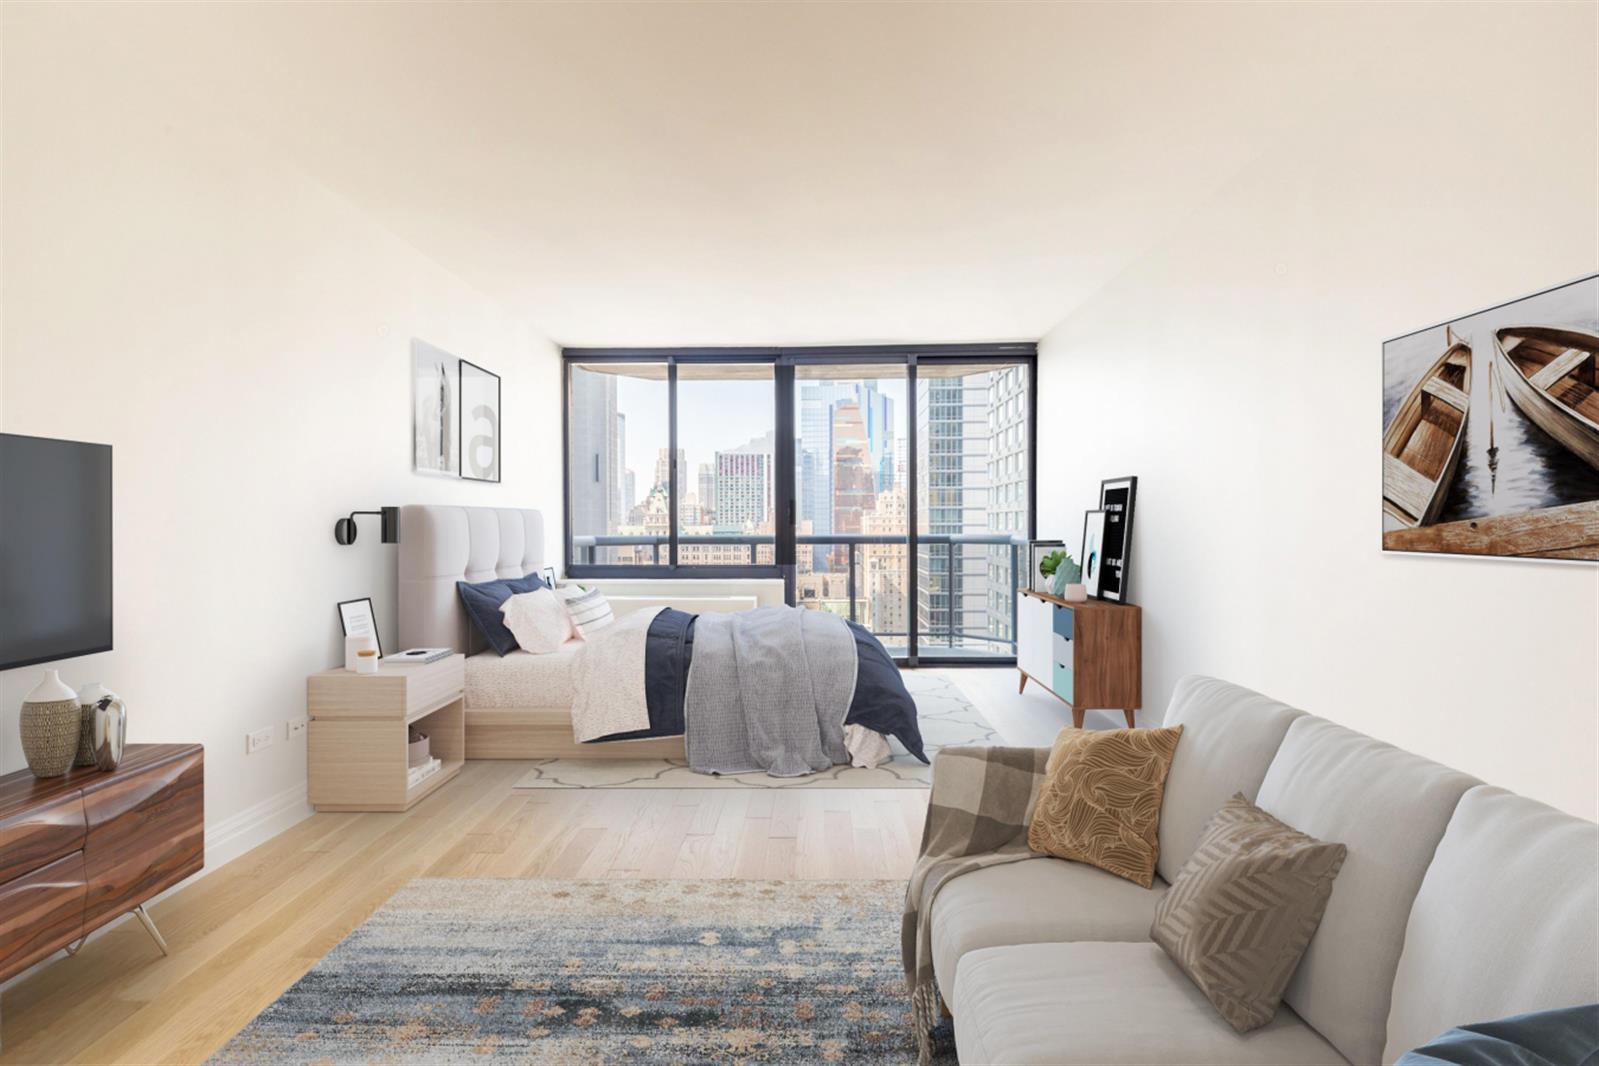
1035 901
1107 1003
1506 922
1241 912
1389 808
1100 799
1230 735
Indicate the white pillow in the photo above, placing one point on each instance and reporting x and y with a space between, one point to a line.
589 610
537 620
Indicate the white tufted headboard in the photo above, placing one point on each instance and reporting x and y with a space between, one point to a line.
442 545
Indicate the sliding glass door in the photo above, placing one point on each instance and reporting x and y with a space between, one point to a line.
891 486
973 513
851 478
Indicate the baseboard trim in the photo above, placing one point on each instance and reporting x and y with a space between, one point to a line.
254 826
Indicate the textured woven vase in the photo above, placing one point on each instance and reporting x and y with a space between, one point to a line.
51 727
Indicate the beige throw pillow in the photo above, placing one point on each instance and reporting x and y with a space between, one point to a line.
1243 909
1100 801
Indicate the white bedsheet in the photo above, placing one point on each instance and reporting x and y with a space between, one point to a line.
522 679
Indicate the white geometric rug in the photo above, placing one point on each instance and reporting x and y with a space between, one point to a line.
944 713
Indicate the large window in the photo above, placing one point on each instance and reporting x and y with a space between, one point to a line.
892 486
617 424
973 513
727 473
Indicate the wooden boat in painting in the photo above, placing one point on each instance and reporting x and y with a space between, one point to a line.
1549 372
1421 448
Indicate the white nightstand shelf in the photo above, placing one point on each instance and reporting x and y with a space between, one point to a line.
360 726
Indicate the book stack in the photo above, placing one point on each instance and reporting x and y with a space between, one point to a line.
421 772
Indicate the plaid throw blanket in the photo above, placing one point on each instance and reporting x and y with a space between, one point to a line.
977 816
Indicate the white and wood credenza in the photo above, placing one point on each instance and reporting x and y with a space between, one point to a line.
1089 654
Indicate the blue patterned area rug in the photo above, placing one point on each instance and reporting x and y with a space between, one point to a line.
455 970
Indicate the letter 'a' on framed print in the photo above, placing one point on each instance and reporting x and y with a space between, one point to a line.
480 423
1093 550
1116 497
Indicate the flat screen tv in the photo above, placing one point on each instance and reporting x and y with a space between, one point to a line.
55 549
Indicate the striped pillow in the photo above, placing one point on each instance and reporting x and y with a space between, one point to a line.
589 610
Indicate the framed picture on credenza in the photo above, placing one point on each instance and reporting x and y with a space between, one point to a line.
1116 496
1093 561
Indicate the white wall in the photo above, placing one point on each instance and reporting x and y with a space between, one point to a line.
240 336
1236 369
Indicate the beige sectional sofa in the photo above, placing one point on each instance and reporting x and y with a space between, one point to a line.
1458 902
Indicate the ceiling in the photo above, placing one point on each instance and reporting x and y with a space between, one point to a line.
765 173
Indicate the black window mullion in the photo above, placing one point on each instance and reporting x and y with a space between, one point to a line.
671 462
912 630
785 517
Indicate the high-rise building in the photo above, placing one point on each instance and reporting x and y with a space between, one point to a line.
625 494
743 487
815 449
663 470
952 498
596 457
707 493
882 570
1008 491
853 476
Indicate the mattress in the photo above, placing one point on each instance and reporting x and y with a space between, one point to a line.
522 679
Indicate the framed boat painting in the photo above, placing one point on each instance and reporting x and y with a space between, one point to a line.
1491 431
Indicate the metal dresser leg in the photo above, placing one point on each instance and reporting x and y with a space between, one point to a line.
149 927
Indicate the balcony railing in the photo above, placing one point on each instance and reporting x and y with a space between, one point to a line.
943 622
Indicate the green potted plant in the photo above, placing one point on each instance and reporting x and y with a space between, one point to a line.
1062 569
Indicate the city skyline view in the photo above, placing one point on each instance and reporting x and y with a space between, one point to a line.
849 483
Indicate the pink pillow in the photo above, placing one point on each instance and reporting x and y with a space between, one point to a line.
538 620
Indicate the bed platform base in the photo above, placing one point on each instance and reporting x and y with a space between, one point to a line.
546 733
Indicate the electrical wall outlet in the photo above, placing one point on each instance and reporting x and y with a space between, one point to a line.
296 727
254 742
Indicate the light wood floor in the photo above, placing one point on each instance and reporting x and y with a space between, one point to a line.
243 934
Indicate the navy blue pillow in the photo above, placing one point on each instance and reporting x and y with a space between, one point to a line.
1568 1036
482 602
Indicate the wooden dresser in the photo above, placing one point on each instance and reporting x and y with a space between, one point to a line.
80 850
1089 654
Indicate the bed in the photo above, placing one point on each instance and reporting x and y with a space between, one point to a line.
519 707
770 686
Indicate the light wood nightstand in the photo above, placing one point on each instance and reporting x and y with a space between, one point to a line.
359 733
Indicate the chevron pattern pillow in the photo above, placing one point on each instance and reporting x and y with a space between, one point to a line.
1243 909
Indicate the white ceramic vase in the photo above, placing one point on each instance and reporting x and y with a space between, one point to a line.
51 726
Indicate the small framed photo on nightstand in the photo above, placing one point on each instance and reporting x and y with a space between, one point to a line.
358 621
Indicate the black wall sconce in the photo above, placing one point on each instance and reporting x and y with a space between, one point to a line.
344 528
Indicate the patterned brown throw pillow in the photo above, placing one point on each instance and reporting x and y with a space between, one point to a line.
1243 909
1100 801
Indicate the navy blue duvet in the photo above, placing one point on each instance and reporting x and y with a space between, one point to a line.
880 702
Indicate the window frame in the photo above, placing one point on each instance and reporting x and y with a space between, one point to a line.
784 360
